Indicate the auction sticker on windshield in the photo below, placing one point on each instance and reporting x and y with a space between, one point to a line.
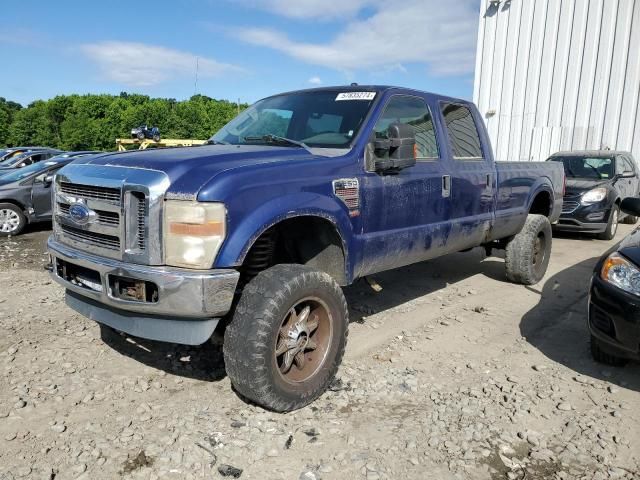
355 96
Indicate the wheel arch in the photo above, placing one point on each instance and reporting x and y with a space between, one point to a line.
326 217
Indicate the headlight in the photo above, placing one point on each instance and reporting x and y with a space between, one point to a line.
594 196
618 271
193 233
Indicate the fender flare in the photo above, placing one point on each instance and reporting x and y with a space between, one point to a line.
307 204
542 184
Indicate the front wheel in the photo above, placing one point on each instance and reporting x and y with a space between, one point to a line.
140 135
527 254
287 337
156 138
612 224
12 220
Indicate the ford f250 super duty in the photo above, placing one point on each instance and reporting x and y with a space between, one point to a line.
300 194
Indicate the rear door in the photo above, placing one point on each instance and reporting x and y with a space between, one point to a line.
406 212
473 177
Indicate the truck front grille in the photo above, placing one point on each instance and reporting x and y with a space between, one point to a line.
110 242
104 217
124 218
106 194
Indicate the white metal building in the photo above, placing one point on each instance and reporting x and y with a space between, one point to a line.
559 75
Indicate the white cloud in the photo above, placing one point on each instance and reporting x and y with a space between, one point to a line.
138 64
315 81
316 9
440 34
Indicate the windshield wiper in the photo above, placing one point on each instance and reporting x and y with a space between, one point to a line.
277 139
211 141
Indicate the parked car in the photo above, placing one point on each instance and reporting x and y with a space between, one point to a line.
300 194
597 181
143 132
25 193
27 158
7 153
614 299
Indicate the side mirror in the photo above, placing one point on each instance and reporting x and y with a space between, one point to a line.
48 180
398 150
628 174
631 206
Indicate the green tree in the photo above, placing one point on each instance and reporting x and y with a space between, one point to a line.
78 122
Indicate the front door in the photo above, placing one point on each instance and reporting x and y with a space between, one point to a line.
406 212
41 195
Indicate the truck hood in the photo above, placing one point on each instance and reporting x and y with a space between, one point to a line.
190 168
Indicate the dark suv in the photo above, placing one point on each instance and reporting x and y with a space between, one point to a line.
597 181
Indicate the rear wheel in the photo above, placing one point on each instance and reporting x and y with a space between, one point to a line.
156 138
527 254
601 356
612 224
12 220
287 337
140 135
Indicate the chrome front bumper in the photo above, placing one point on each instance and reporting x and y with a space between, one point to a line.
185 298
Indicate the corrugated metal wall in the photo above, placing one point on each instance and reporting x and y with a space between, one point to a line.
559 75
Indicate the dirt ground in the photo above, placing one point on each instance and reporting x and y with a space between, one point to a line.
451 373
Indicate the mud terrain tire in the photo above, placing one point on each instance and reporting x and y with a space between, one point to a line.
527 254
290 308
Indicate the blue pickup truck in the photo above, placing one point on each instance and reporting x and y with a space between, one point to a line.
299 195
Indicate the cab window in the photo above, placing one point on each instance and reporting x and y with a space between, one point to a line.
463 132
414 112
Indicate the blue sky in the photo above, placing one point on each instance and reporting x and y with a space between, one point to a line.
244 49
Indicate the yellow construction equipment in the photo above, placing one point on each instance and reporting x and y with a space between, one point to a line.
165 142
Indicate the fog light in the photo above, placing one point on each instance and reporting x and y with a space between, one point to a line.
594 217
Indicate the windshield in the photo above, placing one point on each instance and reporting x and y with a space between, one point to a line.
21 173
328 119
9 154
12 160
597 168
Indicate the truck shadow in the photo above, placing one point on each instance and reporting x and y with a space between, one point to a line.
414 281
557 327
205 362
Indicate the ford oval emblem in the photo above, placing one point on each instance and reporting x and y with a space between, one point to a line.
80 213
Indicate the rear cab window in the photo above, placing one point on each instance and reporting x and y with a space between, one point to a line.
462 131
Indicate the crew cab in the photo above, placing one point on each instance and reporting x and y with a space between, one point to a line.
300 194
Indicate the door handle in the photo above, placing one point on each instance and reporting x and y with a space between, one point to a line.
489 182
446 186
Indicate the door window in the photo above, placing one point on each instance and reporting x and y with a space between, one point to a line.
463 133
629 165
414 112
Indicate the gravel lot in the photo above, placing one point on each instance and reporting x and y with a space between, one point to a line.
451 373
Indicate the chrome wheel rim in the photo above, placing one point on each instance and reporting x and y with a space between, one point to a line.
9 220
539 252
303 340
614 222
